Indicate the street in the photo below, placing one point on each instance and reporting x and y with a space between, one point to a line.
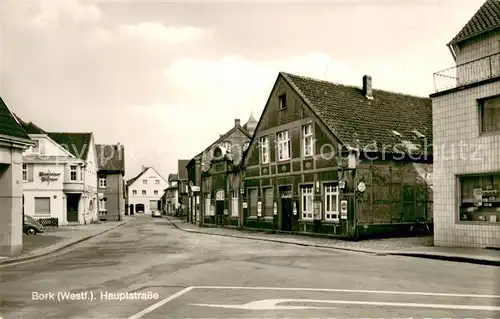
149 269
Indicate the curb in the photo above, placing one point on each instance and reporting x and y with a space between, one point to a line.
461 259
10 261
279 241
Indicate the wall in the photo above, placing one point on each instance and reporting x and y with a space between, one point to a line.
113 192
91 183
53 190
455 121
151 176
478 47
11 227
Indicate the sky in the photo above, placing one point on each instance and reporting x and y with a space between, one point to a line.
166 78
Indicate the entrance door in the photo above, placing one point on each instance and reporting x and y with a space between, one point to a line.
72 207
131 207
286 214
219 211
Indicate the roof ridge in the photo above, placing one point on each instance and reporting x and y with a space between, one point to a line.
354 86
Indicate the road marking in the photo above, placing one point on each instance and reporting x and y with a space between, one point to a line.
349 290
160 303
270 304
267 304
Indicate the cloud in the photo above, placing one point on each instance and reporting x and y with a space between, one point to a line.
158 32
52 12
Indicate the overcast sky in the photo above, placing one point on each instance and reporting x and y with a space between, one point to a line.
166 78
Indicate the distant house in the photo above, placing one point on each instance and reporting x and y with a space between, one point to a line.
171 195
144 191
337 159
182 182
60 176
466 116
13 141
111 191
215 175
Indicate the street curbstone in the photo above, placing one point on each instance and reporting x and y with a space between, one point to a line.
434 256
14 260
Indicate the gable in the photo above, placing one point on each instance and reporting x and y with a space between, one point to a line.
236 136
149 173
297 110
50 147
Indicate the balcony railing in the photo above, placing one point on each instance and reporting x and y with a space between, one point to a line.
471 72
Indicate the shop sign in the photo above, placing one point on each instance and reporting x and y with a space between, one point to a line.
245 205
343 209
49 176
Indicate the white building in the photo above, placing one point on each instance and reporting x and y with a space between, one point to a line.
144 192
466 130
60 176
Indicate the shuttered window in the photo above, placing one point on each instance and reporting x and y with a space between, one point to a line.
253 202
42 205
268 201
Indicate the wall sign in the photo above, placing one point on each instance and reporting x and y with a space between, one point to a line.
259 208
245 205
295 208
275 208
49 176
343 209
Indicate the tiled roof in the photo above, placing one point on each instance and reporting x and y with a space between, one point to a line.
110 157
30 127
486 18
172 177
182 170
133 179
9 125
388 119
76 143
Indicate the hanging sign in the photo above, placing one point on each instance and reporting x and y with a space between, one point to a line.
343 209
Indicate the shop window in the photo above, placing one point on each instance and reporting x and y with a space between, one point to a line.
307 196
489 111
480 198
42 205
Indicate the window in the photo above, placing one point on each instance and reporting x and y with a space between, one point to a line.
207 204
102 182
227 145
102 204
134 192
42 205
155 192
283 145
490 114
143 192
307 202
157 182
25 173
307 140
331 203
234 204
72 169
282 101
144 181
264 149
480 198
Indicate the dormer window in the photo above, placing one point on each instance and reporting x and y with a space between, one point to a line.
282 101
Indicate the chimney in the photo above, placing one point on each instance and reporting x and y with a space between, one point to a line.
367 87
237 122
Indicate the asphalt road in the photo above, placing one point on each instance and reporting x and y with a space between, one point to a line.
161 272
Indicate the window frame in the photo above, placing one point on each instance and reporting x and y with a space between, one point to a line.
73 169
144 192
282 101
458 200
43 213
155 192
157 182
134 192
330 193
305 138
283 145
105 201
481 112
264 149
25 172
235 203
101 184
144 181
305 198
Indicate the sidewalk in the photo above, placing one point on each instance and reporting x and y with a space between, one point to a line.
422 247
55 239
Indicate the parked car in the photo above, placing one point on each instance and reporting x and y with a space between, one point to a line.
155 213
32 226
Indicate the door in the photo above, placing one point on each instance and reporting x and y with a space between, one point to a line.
72 207
286 214
219 211
131 207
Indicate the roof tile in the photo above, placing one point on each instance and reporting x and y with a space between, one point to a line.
486 18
